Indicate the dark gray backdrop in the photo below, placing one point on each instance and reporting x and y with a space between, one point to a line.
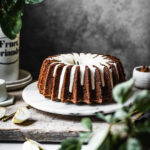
117 27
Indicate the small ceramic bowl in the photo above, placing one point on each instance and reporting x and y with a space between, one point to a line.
142 79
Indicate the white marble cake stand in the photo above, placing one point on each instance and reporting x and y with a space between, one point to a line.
32 97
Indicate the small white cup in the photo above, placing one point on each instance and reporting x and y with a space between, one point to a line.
3 91
142 79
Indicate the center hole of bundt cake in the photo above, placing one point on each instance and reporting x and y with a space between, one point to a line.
75 62
77 59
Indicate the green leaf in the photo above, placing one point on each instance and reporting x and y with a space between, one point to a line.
121 114
33 1
122 146
86 122
142 132
106 144
141 101
11 24
85 136
19 7
108 118
144 139
133 144
71 144
10 15
122 91
11 21
100 116
118 143
142 127
101 140
7 5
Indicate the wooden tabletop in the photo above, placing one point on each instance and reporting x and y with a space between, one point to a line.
42 126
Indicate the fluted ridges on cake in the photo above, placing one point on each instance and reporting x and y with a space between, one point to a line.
69 78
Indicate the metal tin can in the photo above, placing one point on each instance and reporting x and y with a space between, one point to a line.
9 57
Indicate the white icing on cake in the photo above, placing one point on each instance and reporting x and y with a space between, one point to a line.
82 71
55 69
72 74
61 81
116 69
92 71
83 60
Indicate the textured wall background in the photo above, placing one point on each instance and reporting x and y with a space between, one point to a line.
117 27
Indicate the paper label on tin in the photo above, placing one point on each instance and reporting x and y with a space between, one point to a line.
9 50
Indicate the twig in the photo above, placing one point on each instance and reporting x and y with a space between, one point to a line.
133 113
138 116
8 117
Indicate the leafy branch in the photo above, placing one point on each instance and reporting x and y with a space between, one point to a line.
11 12
76 143
132 136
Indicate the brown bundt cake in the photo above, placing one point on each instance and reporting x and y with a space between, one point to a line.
80 77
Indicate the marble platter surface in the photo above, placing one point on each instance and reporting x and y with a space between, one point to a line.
32 97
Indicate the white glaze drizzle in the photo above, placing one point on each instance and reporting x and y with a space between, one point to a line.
82 71
92 71
83 60
55 69
53 63
72 74
61 81
116 69
102 78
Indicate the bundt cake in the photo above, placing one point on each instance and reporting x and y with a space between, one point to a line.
80 77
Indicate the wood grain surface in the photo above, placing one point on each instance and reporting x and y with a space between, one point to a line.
42 126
